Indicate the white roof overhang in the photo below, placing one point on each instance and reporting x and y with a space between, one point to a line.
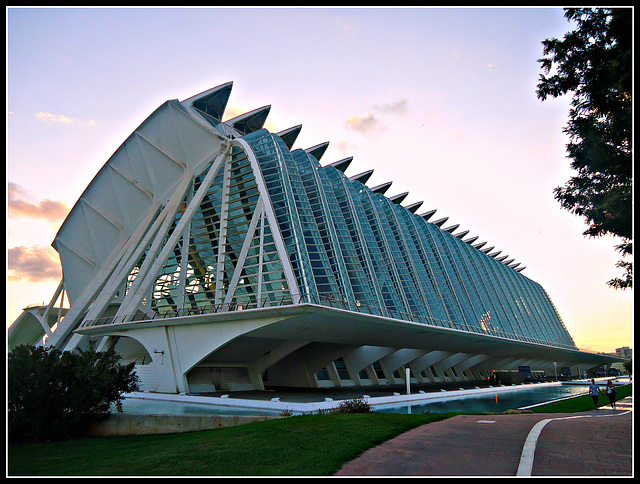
341 327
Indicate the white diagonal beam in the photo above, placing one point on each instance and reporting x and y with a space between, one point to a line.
134 298
271 216
233 284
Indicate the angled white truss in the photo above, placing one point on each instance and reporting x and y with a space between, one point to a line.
195 215
129 246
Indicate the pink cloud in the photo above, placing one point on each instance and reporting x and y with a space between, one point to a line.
34 264
20 205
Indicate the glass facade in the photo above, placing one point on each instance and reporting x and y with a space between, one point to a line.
346 246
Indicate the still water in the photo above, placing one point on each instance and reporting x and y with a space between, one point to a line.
138 406
498 402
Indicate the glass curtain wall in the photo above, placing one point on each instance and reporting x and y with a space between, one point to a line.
348 247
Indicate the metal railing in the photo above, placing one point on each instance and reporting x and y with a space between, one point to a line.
325 300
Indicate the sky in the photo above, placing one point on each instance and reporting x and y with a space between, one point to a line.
440 101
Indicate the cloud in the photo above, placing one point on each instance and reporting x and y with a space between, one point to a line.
344 147
370 123
231 112
18 204
34 264
401 106
365 124
62 119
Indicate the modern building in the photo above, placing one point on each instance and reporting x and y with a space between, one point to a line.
624 352
218 257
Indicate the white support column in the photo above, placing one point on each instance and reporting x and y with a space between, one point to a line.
399 359
42 319
429 359
333 374
56 295
261 257
222 238
174 356
449 362
184 257
469 364
363 357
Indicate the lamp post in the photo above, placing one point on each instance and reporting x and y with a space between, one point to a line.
408 380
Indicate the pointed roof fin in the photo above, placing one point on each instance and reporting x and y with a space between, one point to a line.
249 122
398 199
318 150
381 189
341 165
362 177
440 221
452 228
212 101
471 240
461 234
290 135
414 206
427 215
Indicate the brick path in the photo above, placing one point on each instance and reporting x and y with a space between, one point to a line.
597 443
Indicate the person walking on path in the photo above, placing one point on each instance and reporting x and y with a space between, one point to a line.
611 394
594 391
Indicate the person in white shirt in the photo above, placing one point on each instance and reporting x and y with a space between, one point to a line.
611 394
594 391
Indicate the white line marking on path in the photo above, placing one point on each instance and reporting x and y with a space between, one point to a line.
529 449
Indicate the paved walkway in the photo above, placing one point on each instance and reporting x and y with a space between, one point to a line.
592 443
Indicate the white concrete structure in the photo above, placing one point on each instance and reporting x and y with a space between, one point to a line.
218 258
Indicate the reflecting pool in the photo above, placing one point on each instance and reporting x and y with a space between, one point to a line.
495 402
476 400
139 406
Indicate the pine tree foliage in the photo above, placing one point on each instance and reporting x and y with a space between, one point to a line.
594 64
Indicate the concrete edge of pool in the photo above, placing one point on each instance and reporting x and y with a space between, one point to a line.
276 405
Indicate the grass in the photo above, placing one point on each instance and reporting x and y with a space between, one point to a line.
296 446
303 445
581 404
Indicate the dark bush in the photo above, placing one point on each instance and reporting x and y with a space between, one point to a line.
54 394
357 405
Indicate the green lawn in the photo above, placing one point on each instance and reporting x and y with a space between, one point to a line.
304 445
583 403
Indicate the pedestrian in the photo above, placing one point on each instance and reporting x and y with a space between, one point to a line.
594 392
611 394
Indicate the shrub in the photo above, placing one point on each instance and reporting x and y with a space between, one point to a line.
357 405
55 393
